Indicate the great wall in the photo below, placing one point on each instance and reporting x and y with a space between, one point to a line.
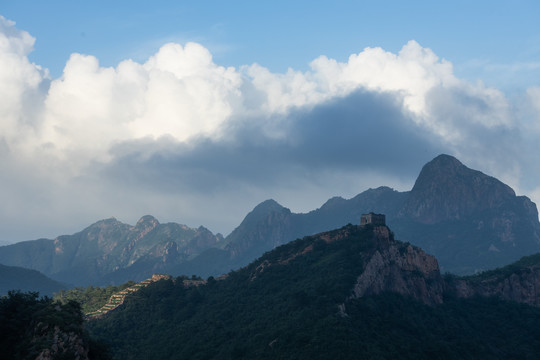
118 298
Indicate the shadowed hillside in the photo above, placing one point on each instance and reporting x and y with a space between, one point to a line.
352 293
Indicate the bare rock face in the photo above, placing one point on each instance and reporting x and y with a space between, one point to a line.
470 221
64 345
522 285
264 228
409 271
448 190
405 269
400 268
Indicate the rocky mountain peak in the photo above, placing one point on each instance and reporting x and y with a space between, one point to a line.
147 221
265 227
448 190
333 202
112 221
264 209
99 231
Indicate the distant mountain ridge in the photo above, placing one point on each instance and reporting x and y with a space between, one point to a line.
468 220
17 278
91 256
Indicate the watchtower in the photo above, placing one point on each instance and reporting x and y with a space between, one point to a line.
372 218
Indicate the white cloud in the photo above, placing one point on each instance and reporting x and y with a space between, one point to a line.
412 73
20 82
179 92
187 94
58 132
533 109
423 83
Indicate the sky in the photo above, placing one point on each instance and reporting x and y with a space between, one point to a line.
195 112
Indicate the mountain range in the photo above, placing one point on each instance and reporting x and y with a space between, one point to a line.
110 246
468 220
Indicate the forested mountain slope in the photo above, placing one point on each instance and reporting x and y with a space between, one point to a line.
349 293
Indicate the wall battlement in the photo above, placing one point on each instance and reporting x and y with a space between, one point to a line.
372 218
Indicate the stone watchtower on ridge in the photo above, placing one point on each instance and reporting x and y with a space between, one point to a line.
372 218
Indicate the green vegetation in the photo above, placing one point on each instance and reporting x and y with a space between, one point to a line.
532 260
90 298
30 324
389 326
286 305
524 264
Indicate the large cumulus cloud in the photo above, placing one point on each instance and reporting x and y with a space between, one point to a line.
188 140
178 92
20 84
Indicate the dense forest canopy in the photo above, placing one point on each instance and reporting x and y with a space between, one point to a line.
33 326
294 306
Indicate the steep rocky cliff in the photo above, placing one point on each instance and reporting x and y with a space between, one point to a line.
519 282
60 344
405 269
470 221
447 190
400 268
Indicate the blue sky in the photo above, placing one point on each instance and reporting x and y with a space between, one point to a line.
194 112
282 34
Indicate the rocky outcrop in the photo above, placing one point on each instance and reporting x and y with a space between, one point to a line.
409 271
521 285
61 344
400 268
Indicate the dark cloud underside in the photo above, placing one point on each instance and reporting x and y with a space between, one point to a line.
361 132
